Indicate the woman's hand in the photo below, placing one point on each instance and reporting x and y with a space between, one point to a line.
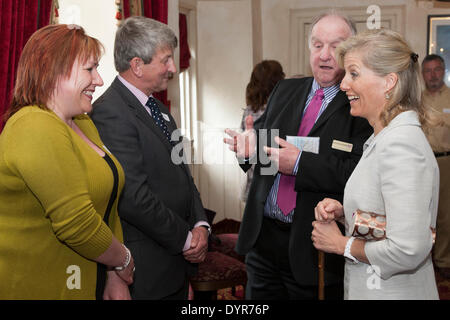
115 256
127 274
115 288
327 237
328 210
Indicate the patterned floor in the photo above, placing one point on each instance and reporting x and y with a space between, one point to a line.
226 294
230 226
442 284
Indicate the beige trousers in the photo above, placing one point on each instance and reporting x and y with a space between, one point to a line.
441 251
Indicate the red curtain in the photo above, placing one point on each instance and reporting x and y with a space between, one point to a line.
185 54
158 10
19 19
126 8
45 11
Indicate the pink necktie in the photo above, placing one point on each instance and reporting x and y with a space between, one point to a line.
286 197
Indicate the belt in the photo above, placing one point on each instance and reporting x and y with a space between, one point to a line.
280 224
442 154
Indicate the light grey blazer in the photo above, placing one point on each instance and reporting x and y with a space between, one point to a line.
398 177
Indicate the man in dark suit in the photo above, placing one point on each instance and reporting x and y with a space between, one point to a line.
275 232
163 220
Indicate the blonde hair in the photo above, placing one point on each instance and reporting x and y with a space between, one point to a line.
385 51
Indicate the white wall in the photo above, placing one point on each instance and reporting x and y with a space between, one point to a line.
224 67
173 89
98 19
276 24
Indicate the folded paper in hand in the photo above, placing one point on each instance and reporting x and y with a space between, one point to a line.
308 144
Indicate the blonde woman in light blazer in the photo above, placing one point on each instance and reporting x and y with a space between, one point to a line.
397 175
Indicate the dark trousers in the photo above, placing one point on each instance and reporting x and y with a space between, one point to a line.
269 272
181 294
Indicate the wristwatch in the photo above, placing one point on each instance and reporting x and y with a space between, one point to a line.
347 253
207 228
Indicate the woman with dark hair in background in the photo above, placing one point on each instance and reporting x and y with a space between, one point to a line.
264 77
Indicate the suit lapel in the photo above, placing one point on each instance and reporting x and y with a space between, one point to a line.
141 113
291 116
287 121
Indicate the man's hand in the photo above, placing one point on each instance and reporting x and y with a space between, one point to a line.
199 245
285 157
243 144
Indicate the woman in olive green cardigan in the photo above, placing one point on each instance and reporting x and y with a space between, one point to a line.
60 234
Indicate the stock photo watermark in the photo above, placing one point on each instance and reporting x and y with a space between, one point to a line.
74 280
213 151
374 20
373 281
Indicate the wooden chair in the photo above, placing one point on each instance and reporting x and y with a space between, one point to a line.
218 271
222 268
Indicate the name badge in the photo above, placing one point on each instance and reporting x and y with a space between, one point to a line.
166 117
446 110
343 146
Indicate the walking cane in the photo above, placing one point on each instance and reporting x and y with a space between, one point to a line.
321 267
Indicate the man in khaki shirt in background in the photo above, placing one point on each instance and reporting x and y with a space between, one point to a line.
437 96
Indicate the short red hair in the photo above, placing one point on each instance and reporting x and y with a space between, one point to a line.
48 56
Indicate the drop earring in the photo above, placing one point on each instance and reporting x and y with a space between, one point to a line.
387 96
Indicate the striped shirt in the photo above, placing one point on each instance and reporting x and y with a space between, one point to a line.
271 209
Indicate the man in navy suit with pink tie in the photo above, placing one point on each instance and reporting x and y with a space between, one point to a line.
275 233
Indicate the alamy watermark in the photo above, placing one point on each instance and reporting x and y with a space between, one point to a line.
374 20
212 150
373 281
74 280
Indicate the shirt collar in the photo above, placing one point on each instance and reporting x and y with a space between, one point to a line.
439 92
142 97
328 92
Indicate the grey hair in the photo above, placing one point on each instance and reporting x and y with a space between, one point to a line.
141 37
333 12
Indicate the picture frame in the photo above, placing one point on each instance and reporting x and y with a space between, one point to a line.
438 40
